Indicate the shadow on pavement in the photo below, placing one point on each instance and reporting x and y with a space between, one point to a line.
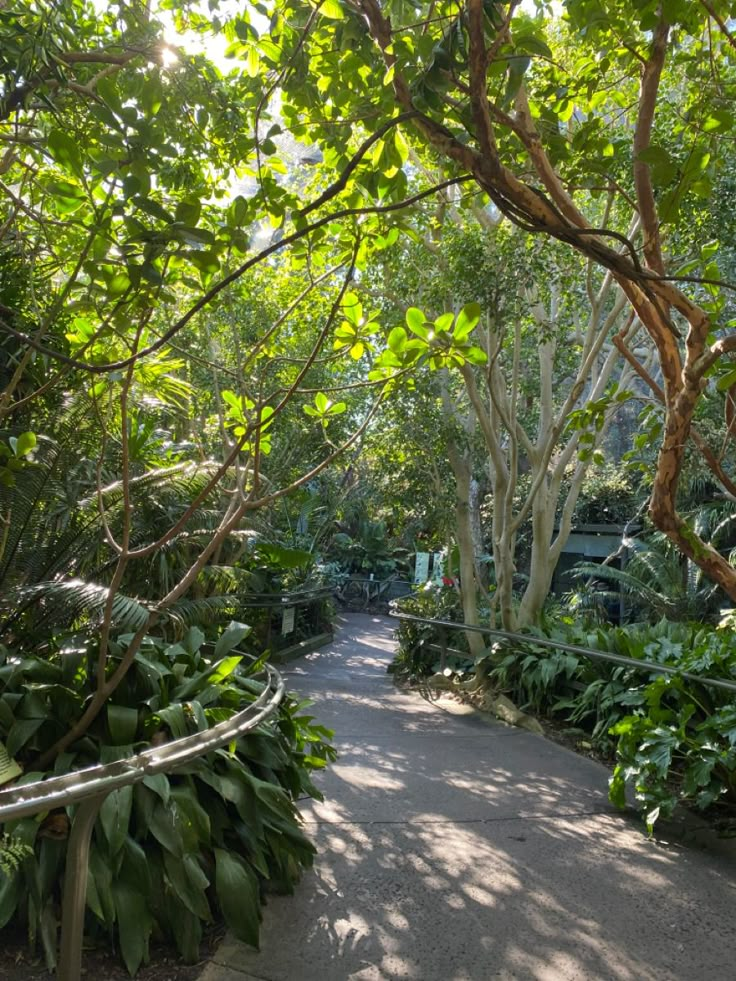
454 850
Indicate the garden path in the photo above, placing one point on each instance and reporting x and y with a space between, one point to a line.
451 849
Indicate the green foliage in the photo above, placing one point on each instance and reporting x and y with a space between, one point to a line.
12 854
413 661
657 581
673 738
442 343
366 548
168 851
608 496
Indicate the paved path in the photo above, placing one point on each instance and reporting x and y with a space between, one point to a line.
455 850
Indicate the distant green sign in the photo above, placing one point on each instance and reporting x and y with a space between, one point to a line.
421 567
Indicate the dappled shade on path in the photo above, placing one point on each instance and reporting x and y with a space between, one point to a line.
455 850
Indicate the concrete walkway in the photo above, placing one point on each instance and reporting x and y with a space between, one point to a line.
455 850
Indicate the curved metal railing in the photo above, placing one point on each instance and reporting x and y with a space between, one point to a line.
91 786
629 662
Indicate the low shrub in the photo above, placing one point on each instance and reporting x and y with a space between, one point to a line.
414 660
168 852
673 739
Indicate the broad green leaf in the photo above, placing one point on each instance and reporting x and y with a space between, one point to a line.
163 829
188 211
65 151
476 356
466 321
187 930
173 715
397 339
134 924
332 9
22 731
192 811
223 669
9 895
122 721
101 872
115 817
231 637
159 784
25 443
238 896
415 321
188 887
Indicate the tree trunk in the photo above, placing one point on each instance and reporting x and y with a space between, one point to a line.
468 587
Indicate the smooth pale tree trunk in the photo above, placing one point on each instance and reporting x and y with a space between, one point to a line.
461 469
476 496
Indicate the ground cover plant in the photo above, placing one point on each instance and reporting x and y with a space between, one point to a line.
169 853
672 738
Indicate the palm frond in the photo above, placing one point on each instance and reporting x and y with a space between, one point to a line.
627 581
65 602
196 612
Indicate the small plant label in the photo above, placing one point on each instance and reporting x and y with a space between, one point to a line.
287 620
421 567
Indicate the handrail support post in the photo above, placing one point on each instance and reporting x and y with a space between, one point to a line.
75 889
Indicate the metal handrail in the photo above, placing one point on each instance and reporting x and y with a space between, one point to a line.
300 597
620 659
90 787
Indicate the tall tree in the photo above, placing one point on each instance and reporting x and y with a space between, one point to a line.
536 131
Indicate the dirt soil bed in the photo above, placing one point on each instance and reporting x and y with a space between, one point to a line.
16 964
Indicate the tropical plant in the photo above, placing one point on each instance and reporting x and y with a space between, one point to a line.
656 580
166 853
416 655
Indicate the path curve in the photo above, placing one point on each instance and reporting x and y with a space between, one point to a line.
450 849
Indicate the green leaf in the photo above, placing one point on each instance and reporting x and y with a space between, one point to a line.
65 151
159 784
415 321
115 817
9 895
397 339
134 924
191 811
466 321
189 883
476 355
100 874
163 829
231 637
237 213
188 211
726 381
222 669
122 721
237 894
153 208
332 9
22 731
173 715
25 443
